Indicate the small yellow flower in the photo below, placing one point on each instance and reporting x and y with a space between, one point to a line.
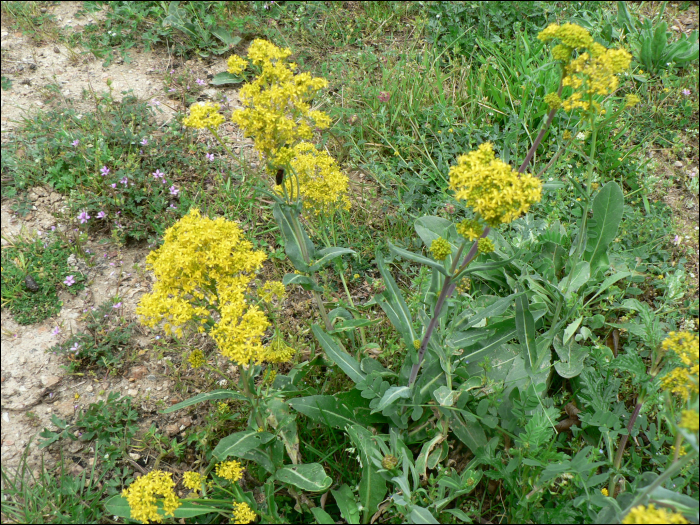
604 492
192 480
683 380
141 496
196 359
356 276
236 64
450 130
230 470
272 289
440 248
416 344
279 352
690 421
631 100
242 513
485 245
470 229
204 115
641 514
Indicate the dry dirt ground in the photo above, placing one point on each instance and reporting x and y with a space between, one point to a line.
34 386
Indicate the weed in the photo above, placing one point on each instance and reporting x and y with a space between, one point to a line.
44 261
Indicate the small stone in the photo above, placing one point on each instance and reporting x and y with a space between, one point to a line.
678 164
138 372
50 381
89 388
65 409
132 392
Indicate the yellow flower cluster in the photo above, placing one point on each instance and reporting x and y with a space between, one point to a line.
485 246
492 188
230 470
604 492
470 229
236 65
192 480
204 115
242 513
205 267
650 514
440 248
272 289
277 109
592 73
690 420
321 184
196 358
279 352
682 380
141 496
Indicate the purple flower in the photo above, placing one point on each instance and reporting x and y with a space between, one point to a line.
104 170
75 143
157 174
118 305
83 217
174 190
124 181
75 347
210 157
114 185
384 96
676 240
201 82
686 92
101 215
70 281
144 142
55 331
173 206
172 90
172 71
154 102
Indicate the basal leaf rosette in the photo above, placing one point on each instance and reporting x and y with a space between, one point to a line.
202 272
496 192
321 186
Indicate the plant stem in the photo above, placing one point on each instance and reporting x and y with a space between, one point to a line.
623 444
447 288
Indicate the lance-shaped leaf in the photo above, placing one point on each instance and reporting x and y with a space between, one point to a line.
327 255
431 227
607 214
306 282
525 326
468 432
372 488
466 320
324 409
118 506
579 276
392 394
295 238
415 257
208 396
225 77
347 504
392 302
238 443
309 476
345 361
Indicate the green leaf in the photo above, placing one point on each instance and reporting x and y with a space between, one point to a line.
322 516
525 326
294 236
327 255
579 276
347 504
238 443
468 432
309 476
430 228
393 304
345 361
464 320
391 396
437 265
444 396
347 325
421 515
223 78
571 358
372 487
306 282
571 329
324 409
208 396
222 34
607 213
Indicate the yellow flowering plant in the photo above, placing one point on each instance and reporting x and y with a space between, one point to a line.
205 271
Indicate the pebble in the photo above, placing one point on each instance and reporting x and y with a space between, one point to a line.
678 164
